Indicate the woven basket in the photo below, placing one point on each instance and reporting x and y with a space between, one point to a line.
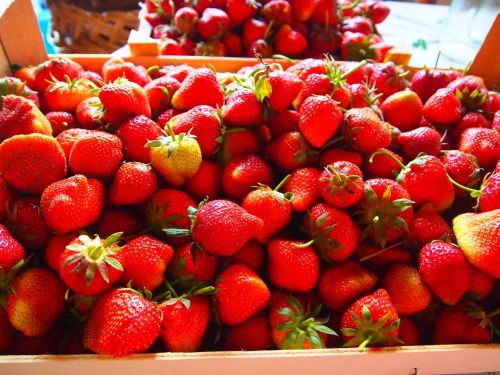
76 30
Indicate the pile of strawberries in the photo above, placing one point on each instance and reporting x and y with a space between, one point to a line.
296 28
180 209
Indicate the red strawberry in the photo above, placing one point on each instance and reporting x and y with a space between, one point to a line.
428 225
254 29
11 254
238 141
160 91
388 78
295 323
409 332
116 68
470 120
134 134
382 166
199 80
403 110
284 88
68 138
250 255
185 19
302 10
240 10
462 168
272 206
32 162
115 220
319 120
90 266
314 84
242 109
66 95
358 46
279 11
332 155
365 131
190 262
407 291
341 284
292 268
233 45
206 182
443 107
89 114
171 47
57 68
289 151
169 208
204 123
341 184
371 321
55 248
290 42
426 82
213 23
185 320
455 326
422 139
7 332
72 204
144 260
304 185
357 24
332 231
385 210
483 143
15 86
7 196
379 259
446 270
243 172
325 13
36 302
122 100
489 198
261 47
133 183
240 294
60 121
122 322
97 155
481 285
252 334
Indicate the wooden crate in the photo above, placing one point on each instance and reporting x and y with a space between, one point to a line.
21 44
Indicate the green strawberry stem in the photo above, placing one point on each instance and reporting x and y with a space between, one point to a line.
474 193
381 251
304 245
282 182
392 157
350 6
363 345
349 72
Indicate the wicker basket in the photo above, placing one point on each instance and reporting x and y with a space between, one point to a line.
77 30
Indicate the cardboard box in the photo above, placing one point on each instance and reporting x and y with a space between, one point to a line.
22 45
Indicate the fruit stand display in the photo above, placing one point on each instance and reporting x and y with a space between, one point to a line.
352 208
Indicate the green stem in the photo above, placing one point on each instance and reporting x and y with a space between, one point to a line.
460 186
390 156
363 345
205 290
493 313
304 245
349 72
283 182
381 251
171 289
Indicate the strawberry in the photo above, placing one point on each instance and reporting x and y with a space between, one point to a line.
213 23
15 86
443 107
302 10
289 151
243 172
123 99
319 120
365 131
175 157
290 42
58 69
60 121
36 302
115 220
27 75
342 283
379 165
7 196
332 155
357 24
409 332
422 139
233 44
483 143
92 76
304 186
68 138
261 47
19 115
32 162
407 290
55 248
242 109
89 113
480 286
210 48
160 92
281 89
7 332
133 183
185 320
325 13
144 260
379 259
272 206
426 82
357 46
238 141
371 321
240 10
403 110
477 236
72 204
116 68
206 182
97 155
333 232
252 334
462 168
122 322
388 78
446 270
363 96
185 19
279 11
66 95
428 225
341 184
199 80
385 210
470 120
292 268
240 294
203 123
171 47
254 29
189 262
26 224
84 256
455 326
49 343
250 255
134 134
295 323
11 259
314 84
489 198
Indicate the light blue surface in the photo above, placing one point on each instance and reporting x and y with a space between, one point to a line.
43 15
